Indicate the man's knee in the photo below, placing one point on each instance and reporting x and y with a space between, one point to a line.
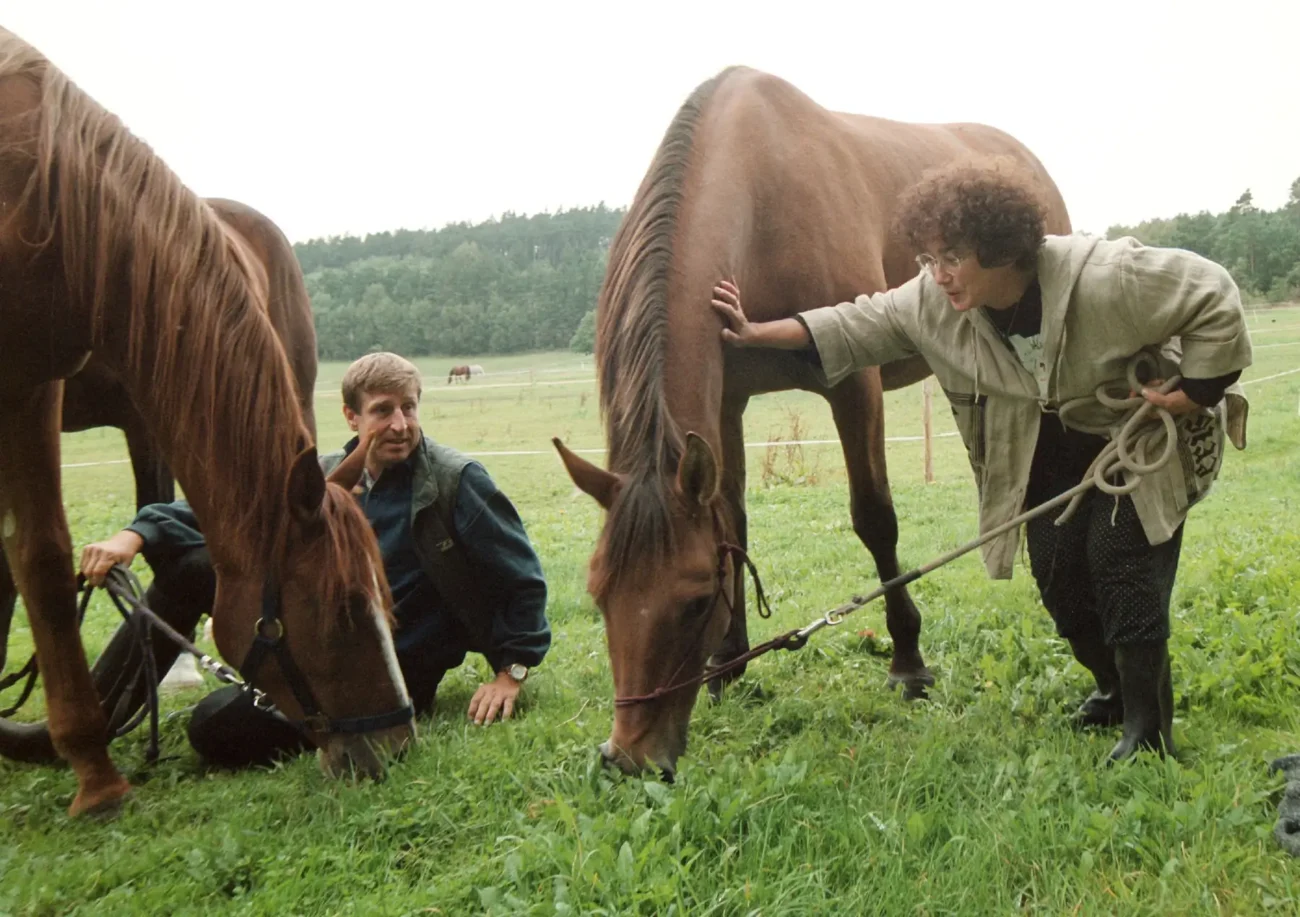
186 577
227 730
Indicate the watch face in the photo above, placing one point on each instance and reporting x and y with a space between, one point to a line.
518 672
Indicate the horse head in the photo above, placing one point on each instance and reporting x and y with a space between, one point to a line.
665 587
335 619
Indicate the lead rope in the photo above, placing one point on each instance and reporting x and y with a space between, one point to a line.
1125 457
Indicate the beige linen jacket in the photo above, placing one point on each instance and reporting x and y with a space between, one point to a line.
1103 301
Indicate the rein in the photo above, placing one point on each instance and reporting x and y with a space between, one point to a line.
1146 429
124 588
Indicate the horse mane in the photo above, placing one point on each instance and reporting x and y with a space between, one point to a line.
350 550
644 441
171 293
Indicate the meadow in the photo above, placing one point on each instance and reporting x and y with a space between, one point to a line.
824 793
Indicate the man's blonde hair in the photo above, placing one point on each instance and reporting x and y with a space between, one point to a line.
379 372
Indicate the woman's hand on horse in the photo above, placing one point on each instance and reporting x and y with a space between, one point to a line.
98 558
726 302
739 331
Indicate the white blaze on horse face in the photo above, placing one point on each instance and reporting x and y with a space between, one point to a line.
386 646
10 525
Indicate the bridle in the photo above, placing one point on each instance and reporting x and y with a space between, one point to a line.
726 551
269 640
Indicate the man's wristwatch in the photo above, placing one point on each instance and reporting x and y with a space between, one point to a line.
517 672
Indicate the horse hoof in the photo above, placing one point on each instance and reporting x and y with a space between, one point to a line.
102 804
914 684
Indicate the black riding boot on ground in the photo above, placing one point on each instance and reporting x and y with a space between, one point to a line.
1148 698
1105 706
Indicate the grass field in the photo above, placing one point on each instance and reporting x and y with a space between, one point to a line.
832 795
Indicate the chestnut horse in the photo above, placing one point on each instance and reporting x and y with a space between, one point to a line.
103 249
458 374
756 182
96 396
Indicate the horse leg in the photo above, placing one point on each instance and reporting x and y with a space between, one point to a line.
153 479
35 537
8 600
858 409
736 640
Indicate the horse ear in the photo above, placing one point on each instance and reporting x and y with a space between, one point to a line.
697 472
305 489
599 484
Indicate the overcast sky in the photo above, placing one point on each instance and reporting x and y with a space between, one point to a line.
364 116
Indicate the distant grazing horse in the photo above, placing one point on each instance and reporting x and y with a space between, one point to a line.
103 249
754 181
97 396
476 370
458 374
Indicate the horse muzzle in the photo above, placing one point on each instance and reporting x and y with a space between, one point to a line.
366 754
613 756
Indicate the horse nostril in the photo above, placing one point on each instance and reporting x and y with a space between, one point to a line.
667 774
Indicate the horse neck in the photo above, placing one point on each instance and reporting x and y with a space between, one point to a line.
230 440
693 368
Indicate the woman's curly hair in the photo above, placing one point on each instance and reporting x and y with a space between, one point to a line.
990 205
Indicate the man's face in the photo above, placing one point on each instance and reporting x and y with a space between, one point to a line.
394 419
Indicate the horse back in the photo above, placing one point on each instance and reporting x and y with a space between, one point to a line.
797 201
288 304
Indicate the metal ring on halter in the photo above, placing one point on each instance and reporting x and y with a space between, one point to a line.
834 617
279 629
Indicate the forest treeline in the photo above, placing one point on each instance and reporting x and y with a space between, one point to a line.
521 283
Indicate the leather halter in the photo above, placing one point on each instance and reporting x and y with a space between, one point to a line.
269 640
726 550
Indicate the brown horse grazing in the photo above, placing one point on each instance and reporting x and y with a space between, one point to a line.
756 182
97 396
458 374
103 249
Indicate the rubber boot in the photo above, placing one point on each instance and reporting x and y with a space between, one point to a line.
1105 706
1147 692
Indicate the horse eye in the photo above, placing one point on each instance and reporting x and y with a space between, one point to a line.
697 607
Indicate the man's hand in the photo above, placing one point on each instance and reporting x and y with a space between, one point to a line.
497 696
1176 402
98 558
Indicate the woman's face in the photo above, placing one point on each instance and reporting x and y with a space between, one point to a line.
968 283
